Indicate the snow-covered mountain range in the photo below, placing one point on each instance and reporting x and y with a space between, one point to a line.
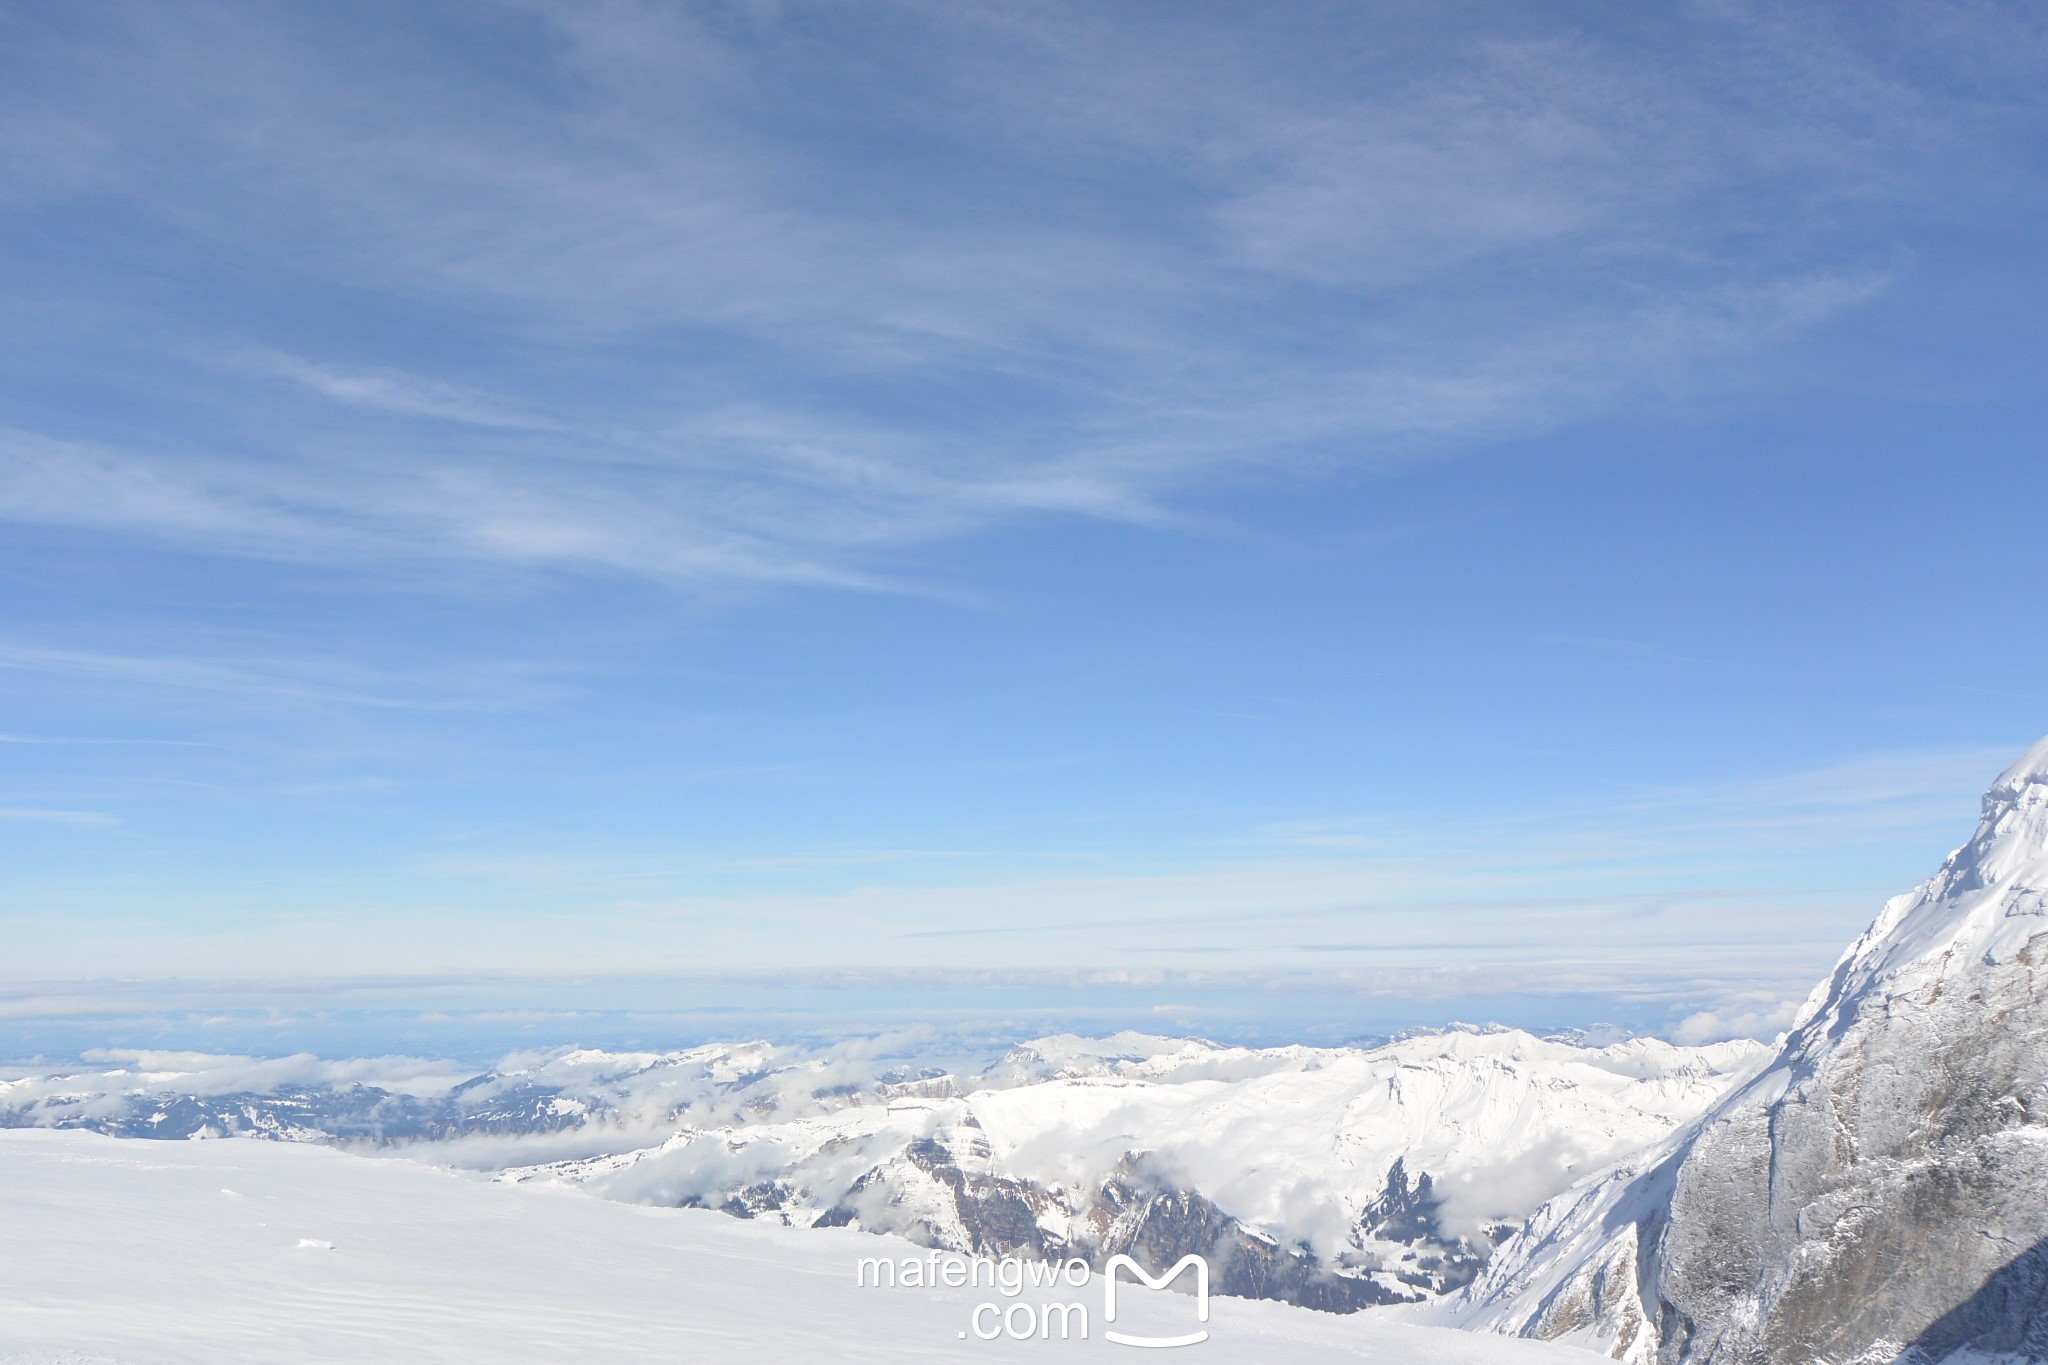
1877 1193
1337 1178
1333 1177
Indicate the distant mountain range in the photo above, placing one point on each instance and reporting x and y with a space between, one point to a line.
1338 1178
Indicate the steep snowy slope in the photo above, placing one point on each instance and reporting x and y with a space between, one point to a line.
1880 1191
119 1253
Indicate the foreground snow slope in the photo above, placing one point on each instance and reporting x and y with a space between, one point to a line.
117 1251
1878 1193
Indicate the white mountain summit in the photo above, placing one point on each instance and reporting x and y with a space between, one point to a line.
1879 1192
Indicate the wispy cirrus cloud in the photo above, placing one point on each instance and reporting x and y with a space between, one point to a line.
76 819
101 741
297 681
393 391
1865 801
343 346
737 335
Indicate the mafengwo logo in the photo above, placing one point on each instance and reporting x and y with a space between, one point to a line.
1028 1320
1109 1282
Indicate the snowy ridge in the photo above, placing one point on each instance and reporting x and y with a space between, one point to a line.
1987 902
1879 1192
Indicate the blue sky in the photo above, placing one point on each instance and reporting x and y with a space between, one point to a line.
1412 499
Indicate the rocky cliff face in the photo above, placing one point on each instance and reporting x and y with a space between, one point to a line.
944 1190
1879 1192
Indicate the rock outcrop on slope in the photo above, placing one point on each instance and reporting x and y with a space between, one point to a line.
1878 1193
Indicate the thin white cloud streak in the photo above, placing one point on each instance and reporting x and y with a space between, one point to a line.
1739 880
1521 233
296 682
1727 827
754 496
76 819
1754 885
1910 779
388 390
72 741
675 525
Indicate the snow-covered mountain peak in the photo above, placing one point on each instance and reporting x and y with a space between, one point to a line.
1063 1056
1989 899
1875 1193
2031 766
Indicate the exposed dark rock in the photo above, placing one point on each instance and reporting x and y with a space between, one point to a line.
1410 1212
